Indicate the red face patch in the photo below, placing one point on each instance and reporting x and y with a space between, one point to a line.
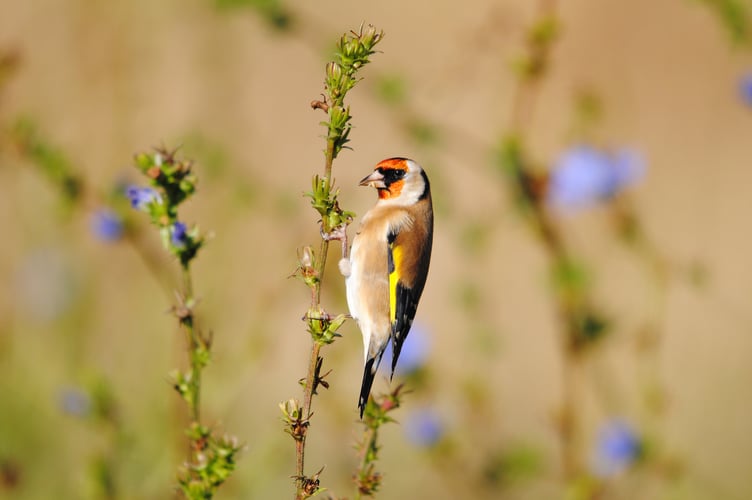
394 183
393 191
394 163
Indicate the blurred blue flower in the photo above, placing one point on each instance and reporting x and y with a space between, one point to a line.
584 175
617 447
141 197
178 235
413 356
745 88
73 401
424 428
106 225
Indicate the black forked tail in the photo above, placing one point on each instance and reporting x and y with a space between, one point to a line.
396 350
369 372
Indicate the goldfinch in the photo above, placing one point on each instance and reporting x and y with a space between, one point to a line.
388 262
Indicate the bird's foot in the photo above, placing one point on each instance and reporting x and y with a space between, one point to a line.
339 233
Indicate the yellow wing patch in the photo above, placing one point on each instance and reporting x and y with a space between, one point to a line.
396 254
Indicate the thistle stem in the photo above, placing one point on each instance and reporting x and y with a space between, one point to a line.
310 382
194 343
307 400
353 51
570 430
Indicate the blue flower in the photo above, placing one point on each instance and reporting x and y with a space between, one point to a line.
142 197
424 428
413 355
73 401
617 447
583 176
106 225
178 235
745 88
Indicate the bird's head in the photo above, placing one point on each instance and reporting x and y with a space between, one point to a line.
399 181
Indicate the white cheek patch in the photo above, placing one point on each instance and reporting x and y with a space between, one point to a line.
410 193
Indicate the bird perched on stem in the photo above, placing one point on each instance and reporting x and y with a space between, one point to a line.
388 262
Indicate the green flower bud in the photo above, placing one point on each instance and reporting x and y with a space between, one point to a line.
333 71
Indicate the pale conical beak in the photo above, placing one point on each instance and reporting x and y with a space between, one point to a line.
376 179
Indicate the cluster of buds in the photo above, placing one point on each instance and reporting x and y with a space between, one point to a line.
540 37
215 461
324 199
375 414
322 326
171 183
173 176
307 269
292 415
353 52
354 49
297 427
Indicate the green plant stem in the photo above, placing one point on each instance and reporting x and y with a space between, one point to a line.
329 158
194 344
86 201
569 312
651 341
569 315
372 435
523 103
310 382
307 401
324 250
187 282
321 267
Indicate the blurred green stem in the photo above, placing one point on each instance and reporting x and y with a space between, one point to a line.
376 414
194 345
570 302
651 334
571 316
365 469
210 460
30 145
370 439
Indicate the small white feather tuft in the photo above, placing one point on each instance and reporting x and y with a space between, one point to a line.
345 267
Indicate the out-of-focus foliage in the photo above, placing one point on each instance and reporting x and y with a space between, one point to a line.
583 331
734 17
275 12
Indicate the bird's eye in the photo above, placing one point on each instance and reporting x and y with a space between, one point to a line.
396 174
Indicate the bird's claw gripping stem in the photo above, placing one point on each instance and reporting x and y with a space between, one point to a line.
339 233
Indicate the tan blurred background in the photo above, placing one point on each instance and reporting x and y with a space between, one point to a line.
103 80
